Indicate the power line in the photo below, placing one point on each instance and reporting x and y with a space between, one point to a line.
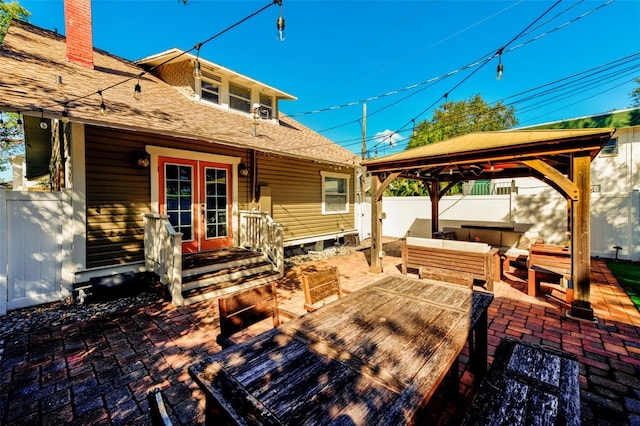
441 77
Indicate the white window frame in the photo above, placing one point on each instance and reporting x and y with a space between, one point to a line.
204 90
242 99
347 178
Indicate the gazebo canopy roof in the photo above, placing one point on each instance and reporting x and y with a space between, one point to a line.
490 155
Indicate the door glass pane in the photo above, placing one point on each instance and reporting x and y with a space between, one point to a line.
178 190
216 202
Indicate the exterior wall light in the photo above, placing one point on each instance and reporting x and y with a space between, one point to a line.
243 170
143 160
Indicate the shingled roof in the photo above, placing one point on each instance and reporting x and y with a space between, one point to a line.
33 60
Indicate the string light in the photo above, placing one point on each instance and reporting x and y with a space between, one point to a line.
43 123
500 69
197 72
137 91
65 114
103 107
280 22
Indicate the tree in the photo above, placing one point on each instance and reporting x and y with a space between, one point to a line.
459 118
9 12
11 136
635 94
450 120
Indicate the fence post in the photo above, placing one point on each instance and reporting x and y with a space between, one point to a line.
3 252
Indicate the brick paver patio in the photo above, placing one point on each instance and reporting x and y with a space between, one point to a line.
99 372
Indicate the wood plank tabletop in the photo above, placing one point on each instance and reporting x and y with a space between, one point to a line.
372 357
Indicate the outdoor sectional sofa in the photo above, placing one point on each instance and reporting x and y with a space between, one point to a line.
479 259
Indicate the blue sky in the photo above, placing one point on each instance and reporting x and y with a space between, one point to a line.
400 57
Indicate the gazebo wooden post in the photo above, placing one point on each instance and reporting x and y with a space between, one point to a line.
434 194
376 225
580 243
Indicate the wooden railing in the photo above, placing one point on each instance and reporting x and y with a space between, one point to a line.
163 253
258 231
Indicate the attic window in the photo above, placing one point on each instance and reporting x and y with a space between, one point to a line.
210 91
239 98
610 148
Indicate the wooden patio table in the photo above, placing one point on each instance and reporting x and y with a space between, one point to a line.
375 356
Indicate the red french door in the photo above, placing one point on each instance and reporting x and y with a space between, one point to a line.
196 195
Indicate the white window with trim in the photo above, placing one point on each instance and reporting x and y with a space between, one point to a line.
335 193
210 91
239 98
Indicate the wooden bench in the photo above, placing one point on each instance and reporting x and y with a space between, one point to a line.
319 286
551 260
241 309
483 266
528 384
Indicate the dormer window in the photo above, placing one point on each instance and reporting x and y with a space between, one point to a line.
210 91
239 98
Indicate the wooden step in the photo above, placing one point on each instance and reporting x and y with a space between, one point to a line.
216 260
202 293
217 276
211 274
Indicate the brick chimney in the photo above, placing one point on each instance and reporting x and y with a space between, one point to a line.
77 17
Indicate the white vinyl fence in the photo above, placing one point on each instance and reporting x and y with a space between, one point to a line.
615 218
33 248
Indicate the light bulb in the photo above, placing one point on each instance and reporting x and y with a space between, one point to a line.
499 72
137 92
197 73
103 109
280 25
65 116
43 124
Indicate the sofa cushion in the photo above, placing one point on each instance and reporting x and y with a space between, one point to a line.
466 246
516 253
424 242
529 238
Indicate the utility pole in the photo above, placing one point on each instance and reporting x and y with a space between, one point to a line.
364 150
363 188
364 131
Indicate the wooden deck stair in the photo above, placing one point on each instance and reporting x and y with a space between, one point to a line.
211 274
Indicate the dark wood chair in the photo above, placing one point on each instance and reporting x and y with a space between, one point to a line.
455 277
241 309
319 286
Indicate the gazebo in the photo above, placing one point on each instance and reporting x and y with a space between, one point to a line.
560 158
